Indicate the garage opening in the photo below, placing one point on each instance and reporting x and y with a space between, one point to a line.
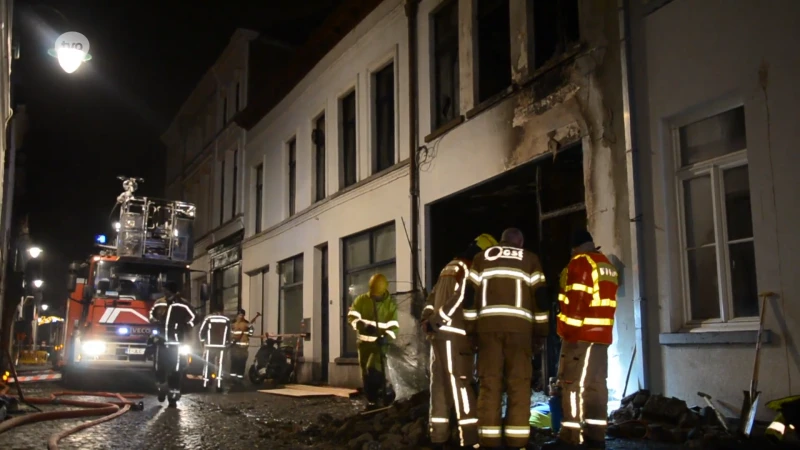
544 198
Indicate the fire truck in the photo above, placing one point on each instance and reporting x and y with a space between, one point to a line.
111 293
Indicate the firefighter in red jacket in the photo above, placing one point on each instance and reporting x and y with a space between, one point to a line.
588 301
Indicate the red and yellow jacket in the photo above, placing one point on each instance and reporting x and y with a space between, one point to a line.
588 299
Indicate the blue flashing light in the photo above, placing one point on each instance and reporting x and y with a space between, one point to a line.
100 238
123 330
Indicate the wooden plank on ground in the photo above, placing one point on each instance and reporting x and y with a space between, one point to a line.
338 392
295 393
374 411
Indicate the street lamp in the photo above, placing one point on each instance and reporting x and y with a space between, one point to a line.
44 306
72 50
35 252
38 283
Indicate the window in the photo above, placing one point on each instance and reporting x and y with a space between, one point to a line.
226 290
714 198
224 110
222 192
290 308
365 254
318 138
238 100
494 48
348 110
555 28
235 181
259 196
292 175
445 64
384 119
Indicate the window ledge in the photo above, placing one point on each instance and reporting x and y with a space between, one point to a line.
346 361
444 129
489 102
739 337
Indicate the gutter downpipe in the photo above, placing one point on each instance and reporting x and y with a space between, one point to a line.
640 311
411 8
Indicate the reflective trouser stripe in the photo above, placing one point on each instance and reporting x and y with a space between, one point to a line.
450 390
490 431
584 400
776 429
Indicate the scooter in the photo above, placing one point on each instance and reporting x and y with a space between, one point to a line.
274 361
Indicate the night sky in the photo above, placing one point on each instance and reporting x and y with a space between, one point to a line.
106 119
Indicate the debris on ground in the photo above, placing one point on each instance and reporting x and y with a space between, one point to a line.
643 415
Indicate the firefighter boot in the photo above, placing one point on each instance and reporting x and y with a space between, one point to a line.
162 391
174 396
372 388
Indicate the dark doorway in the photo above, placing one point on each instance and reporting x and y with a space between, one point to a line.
324 314
543 198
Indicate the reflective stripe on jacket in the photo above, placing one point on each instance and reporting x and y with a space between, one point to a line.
214 331
362 314
505 280
175 318
448 299
242 330
588 299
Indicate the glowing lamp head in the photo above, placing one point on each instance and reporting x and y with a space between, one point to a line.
117 226
38 283
72 50
44 307
35 252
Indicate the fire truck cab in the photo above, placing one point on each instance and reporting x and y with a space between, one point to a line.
111 293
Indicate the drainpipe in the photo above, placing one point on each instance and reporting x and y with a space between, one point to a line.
634 199
413 122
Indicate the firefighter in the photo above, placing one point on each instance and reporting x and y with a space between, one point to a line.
588 301
511 311
175 319
242 331
214 336
788 418
374 317
451 350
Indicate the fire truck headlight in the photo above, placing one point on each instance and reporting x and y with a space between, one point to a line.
184 350
155 332
94 348
123 330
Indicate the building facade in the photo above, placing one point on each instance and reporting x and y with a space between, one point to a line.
205 154
716 128
537 142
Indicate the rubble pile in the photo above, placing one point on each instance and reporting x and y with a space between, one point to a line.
403 425
643 415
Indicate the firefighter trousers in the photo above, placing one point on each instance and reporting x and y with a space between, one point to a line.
582 372
168 370
451 389
504 358
370 360
238 361
212 365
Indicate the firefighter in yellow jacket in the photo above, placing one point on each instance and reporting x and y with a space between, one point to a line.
374 317
451 350
511 306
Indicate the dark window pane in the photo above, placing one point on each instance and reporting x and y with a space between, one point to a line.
259 196
703 283
291 310
699 212
743 279
445 64
348 108
235 181
561 181
384 120
555 28
319 158
384 245
222 193
292 175
287 272
356 250
713 137
737 203
494 48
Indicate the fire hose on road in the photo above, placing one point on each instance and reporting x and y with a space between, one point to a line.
109 409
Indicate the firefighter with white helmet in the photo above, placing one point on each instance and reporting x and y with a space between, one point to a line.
175 319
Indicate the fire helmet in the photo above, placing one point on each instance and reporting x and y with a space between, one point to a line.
378 285
485 241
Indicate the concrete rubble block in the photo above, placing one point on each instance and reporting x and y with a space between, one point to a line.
660 408
624 414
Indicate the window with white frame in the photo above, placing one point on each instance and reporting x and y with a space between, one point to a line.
290 307
365 254
718 256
